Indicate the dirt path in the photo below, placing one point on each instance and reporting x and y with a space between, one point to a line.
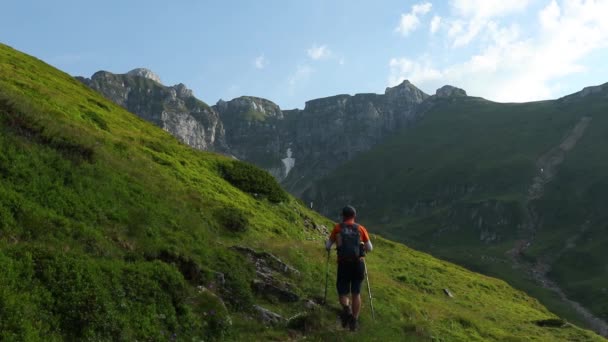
547 166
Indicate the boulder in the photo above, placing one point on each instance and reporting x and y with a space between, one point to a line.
277 290
267 317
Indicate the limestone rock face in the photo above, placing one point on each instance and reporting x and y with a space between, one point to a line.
333 130
146 73
299 146
296 146
450 91
174 108
255 132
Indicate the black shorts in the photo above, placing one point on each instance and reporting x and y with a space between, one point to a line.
350 277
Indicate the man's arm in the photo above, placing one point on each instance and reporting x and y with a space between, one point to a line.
366 240
328 244
332 237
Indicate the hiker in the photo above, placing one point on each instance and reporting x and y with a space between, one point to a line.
352 241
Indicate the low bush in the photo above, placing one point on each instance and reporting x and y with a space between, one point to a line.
253 180
233 219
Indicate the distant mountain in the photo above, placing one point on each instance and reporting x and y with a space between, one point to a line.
296 146
517 191
112 230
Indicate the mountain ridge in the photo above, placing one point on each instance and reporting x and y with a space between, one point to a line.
285 142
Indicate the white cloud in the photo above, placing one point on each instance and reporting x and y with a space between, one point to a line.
549 16
260 62
302 73
416 72
319 52
511 66
474 16
409 21
435 23
488 9
422 8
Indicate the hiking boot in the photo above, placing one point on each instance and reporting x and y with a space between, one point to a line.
346 316
353 324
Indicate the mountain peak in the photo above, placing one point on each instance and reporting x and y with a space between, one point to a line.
406 89
405 84
450 91
143 72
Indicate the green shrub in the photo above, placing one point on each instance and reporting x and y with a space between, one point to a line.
85 298
216 320
253 180
233 219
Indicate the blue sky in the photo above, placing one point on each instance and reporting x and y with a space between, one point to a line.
293 51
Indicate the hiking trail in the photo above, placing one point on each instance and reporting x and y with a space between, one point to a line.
547 167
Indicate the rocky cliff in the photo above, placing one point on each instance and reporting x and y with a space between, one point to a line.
296 146
299 146
172 108
256 132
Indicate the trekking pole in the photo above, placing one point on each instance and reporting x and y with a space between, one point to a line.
326 277
369 291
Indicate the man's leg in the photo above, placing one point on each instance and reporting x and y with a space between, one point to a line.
356 305
356 296
344 301
343 287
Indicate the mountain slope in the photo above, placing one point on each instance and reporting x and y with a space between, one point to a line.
513 190
110 229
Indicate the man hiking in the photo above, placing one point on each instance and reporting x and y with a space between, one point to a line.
352 241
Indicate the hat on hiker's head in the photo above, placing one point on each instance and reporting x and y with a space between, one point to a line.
349 211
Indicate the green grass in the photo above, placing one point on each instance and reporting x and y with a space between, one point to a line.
109 226
462 173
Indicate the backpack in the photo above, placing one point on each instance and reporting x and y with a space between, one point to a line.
351 238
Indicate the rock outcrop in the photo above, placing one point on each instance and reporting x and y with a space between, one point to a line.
146 73
333 130
255 132
267 317
269 270
450 91
300 146
174 108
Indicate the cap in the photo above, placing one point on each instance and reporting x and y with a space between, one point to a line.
349 211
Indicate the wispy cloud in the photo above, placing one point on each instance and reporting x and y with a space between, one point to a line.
260 62
409 21
519 65
474 16
302 73
319 52
416 71
435 24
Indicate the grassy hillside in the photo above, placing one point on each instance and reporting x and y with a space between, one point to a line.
513 190
110 229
